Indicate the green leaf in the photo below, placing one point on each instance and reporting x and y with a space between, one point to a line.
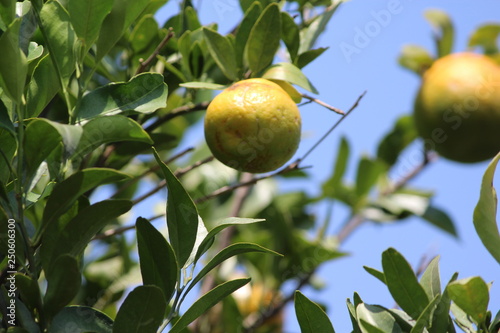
353 316
402 283
103 130
441 319
472 296
13 63
6 121
430 280
290 73
42 88
227 222
264 39
440 219
486 36
376 319
182 216
60 38
156 258
486 211
310 34
444 30
423 320
222 51
68 191
308 56
34 51
123 14
7 11
29 291
144 93
290 34
141 312
203 85
462 319
83 319
415 58
73 237
332 184
368 173
311 317
207 301
226 253
63 283
401 135
246 25
87 17
375 273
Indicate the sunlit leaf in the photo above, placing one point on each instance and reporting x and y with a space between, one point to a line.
311 317
444 34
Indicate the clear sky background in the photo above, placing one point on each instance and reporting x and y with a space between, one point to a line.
390 93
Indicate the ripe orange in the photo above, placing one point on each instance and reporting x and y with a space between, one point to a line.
253 126
457 109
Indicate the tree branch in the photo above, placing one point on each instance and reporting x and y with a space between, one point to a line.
145 64
182 110
320 102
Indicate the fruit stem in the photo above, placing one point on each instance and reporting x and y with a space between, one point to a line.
320 102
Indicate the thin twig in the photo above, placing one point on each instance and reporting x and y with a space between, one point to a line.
182 110
320 102
154 168
163 183
145 64
354 106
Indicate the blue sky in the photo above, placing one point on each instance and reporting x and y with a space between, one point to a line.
340 78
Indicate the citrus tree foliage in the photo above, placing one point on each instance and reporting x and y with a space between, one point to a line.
95 99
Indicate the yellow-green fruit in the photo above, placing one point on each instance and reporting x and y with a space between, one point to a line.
253 126
457 109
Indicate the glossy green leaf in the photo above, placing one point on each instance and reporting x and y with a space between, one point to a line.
141 312
34 51
444 31
38 150
375 273
430 280
402 283
156 258
353 316
184 45
486 36
310 34
73 237
226 253
7 11
309 56
225 223
182 216
122 15
423 320
311 317
29 291
462 319
222 51
290 35
399 137
486 211
472 296
246 25
375 319
415 58
440 219
144 93
79 317
13 63
207 301
68 191
8 150
87 17
332 184
5 120
203 85
103 130
60 38
42 88
264 39
441 319
63 283
290 73
368 173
